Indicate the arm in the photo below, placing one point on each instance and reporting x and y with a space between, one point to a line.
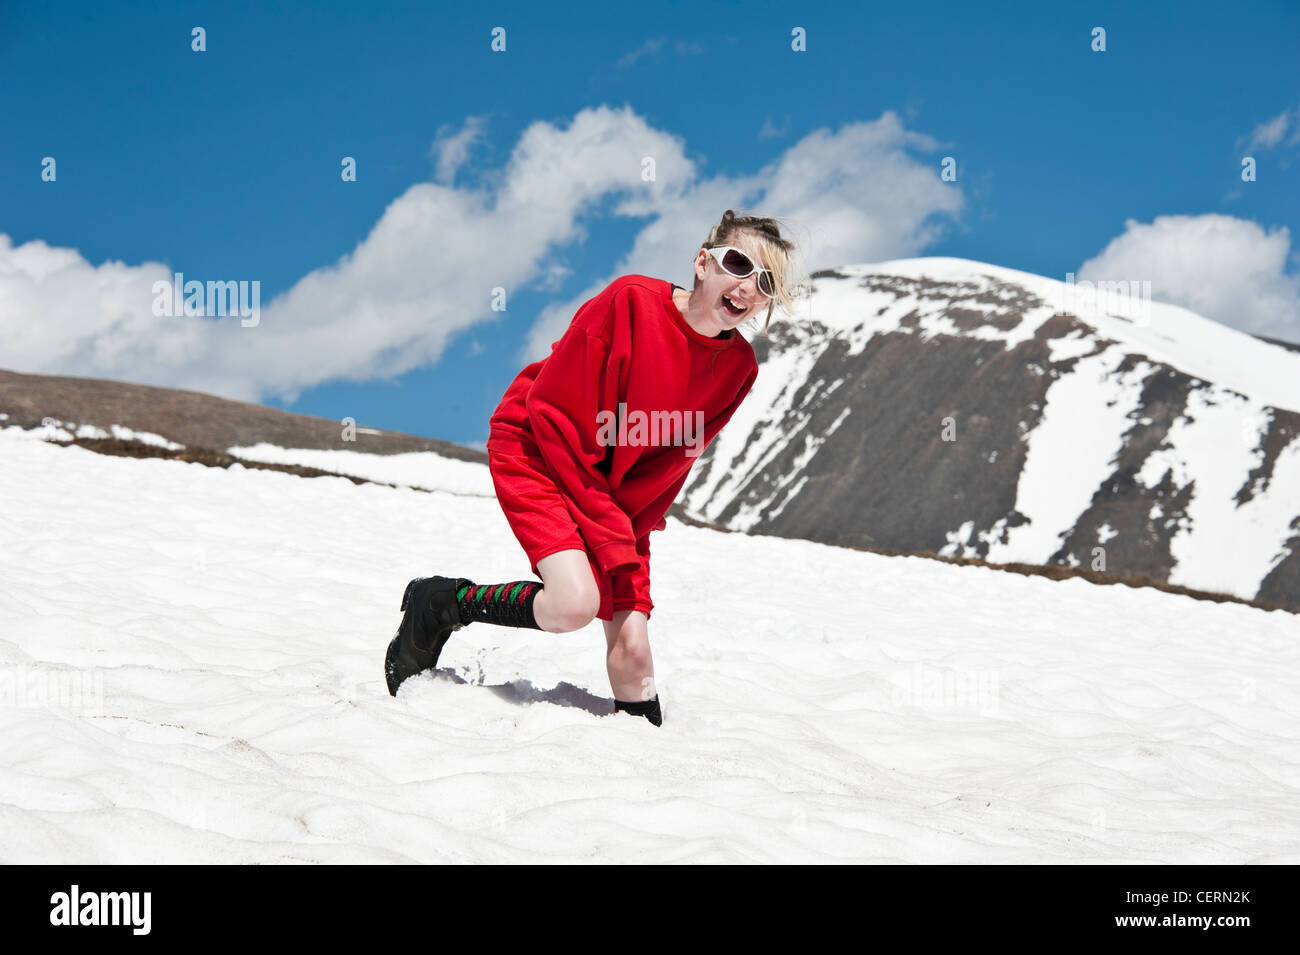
652 516
634 587
631 591
576 382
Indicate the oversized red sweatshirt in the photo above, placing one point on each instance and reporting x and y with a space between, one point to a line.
617 409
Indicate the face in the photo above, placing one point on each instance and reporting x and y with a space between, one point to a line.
716 282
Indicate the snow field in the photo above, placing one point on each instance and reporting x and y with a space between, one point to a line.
191 667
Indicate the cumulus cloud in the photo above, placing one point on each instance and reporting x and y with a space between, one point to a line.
863 192
451 148
859 194
426 270
1227 269
60 314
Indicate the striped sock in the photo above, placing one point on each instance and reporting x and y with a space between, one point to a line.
507 605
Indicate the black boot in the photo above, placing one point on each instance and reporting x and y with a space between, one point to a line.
430 614
647 708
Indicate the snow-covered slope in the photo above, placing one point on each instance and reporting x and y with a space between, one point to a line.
191 665
427 470
966 409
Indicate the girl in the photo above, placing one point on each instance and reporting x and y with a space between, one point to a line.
590 446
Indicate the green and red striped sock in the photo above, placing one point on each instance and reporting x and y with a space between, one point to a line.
506 605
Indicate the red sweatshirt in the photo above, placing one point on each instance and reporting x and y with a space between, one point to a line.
616 412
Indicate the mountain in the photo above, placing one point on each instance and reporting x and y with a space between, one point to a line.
934 406
960 408
193 419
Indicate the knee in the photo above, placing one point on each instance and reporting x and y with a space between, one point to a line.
575 607
634 652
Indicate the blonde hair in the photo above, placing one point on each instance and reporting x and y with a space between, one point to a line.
778 252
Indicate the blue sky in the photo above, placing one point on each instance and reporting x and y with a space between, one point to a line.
225 165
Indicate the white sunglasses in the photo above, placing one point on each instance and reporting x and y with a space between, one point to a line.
735 262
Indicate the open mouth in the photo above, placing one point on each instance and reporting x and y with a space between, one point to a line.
732 308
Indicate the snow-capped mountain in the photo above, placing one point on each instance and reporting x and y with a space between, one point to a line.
960 408
923 405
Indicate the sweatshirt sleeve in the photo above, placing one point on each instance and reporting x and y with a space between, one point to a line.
574 385
654 516
632 591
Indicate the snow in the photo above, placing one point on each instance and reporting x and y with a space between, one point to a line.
787 488
190 671
51 429
420 469
756 433
1074 345
127 434
1165 333
1222 545
1083 421
1072 450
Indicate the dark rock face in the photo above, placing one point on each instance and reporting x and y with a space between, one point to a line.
1282 585
899 443
1282 430
907 484
1141 543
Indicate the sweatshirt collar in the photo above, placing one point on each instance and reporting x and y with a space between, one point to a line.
680 321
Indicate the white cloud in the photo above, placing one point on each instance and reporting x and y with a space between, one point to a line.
426 270
853 196
60 314
650 46
869 197
1224 268
1269 134
451 149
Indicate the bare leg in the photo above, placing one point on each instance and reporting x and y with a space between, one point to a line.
631 670
569 599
